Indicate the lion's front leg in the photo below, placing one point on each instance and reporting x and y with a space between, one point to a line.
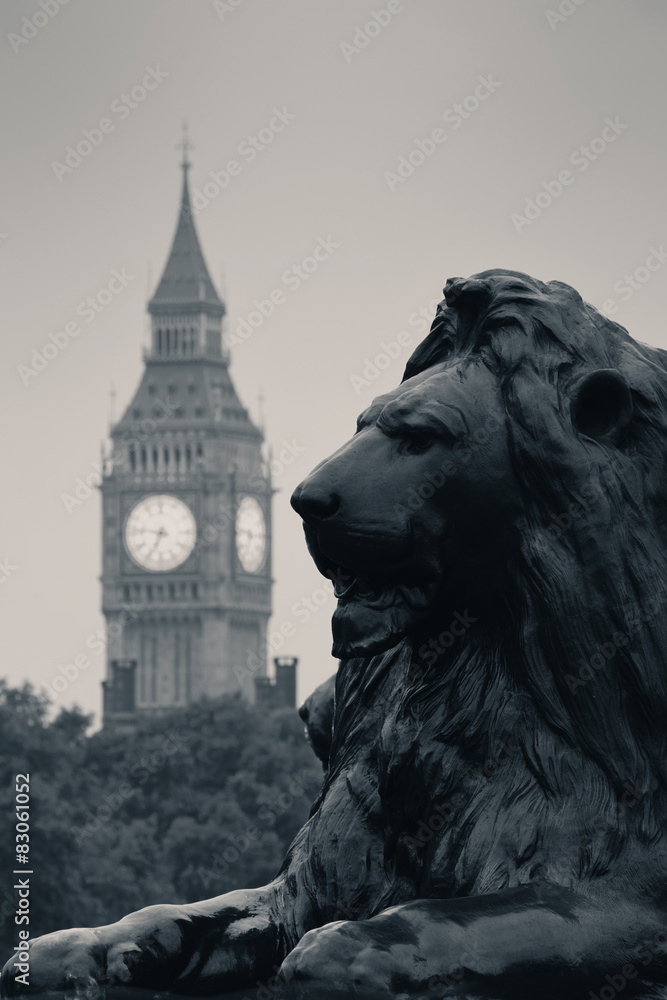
214 946
550 943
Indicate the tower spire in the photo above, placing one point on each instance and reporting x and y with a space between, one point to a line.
185 145
185 281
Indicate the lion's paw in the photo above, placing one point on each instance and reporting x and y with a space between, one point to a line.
333 963
72 960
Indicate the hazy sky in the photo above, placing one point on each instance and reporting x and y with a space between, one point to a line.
532 86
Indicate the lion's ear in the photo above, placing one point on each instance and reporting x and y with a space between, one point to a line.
602 404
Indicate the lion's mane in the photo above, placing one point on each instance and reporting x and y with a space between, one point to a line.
585 739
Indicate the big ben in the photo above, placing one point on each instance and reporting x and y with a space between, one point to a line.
186 510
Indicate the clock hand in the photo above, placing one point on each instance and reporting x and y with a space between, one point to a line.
159 535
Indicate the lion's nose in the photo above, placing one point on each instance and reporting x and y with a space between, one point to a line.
314 503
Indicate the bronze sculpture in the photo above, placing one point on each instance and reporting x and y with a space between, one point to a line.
490 822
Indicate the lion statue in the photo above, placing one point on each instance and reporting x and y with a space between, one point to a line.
495 792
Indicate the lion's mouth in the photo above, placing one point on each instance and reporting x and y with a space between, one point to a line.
377 592
376 606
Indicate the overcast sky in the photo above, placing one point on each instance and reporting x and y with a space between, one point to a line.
532 87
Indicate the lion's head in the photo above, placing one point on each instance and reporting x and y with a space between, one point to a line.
516 475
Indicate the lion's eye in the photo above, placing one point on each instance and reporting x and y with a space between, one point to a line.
415 443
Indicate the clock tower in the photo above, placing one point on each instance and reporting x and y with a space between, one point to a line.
186 510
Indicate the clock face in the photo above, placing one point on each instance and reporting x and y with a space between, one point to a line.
160 533
250 535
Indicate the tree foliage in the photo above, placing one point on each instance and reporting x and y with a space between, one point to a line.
188 805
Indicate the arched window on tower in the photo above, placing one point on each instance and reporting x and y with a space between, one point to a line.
188 458
155 459
177 458
200 454
133 459
144 461
166 457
